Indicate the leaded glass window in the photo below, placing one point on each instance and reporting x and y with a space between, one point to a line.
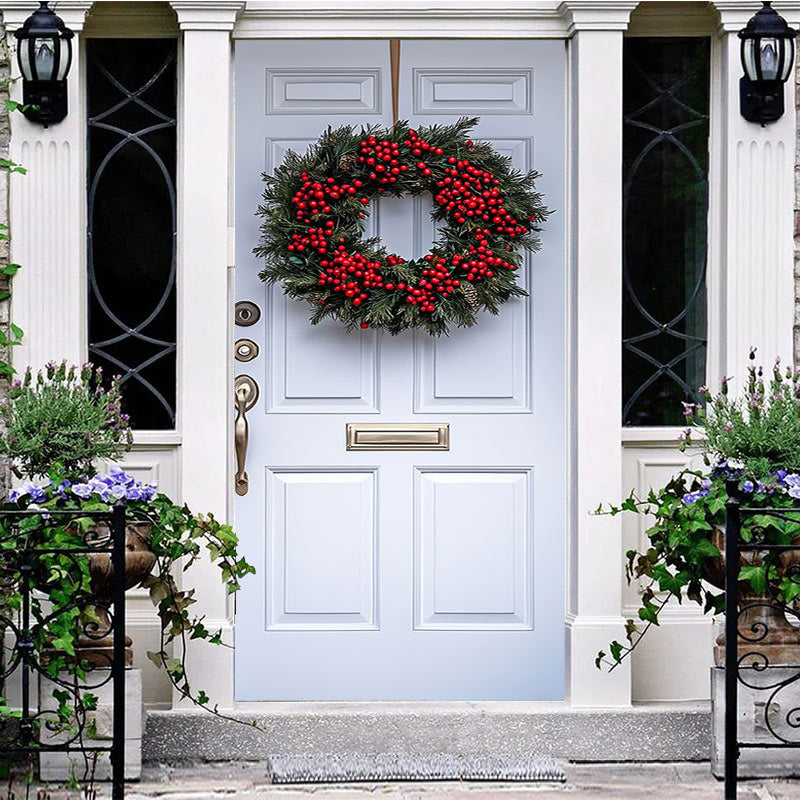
665 205
132 221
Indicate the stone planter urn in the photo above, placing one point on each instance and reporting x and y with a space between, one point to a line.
95 643
765 633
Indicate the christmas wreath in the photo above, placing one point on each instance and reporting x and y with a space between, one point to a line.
312 235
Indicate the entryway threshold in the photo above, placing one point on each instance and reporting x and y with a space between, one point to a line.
641 732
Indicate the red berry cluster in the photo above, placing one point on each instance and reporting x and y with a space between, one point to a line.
383 160
353 274
467 192
315 197
481 259
419 147
436 282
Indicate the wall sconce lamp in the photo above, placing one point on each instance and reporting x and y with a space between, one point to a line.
767 57
44 54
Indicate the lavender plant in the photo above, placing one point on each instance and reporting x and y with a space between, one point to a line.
63 418
759 430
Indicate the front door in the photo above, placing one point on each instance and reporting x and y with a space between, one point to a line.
435 575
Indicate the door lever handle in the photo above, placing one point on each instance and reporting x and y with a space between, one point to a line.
245 397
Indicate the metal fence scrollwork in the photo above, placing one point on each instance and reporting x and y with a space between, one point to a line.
762 632
62 720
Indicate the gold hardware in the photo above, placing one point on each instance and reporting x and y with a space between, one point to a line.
245 396
246 313
245 350
394 59
398 436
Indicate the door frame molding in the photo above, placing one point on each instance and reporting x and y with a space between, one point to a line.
593 31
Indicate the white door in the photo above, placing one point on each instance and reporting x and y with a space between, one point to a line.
406 575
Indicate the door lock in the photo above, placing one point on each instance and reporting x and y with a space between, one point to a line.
245 350
246 313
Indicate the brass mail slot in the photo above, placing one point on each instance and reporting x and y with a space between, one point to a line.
399 436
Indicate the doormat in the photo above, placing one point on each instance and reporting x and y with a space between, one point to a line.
385 767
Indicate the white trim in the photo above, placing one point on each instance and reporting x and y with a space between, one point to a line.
73 12
204 354
47 213
151 439
518 19
595 543
207 15
752 271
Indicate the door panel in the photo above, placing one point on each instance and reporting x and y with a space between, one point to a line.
404 574
321 577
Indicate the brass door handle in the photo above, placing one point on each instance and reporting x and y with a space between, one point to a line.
245 397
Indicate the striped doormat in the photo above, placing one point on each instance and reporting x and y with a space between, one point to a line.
388 767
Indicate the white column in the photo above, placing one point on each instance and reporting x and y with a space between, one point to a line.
752 227
204 155
47 212
595 548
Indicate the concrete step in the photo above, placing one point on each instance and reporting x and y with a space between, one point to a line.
642 732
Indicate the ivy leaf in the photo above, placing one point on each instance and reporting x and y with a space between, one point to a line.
649 614
598 662
616 651
703 548
757 577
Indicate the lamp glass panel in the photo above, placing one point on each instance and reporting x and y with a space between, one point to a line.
44 58
749 59
65 59
24 59
769 53
788 59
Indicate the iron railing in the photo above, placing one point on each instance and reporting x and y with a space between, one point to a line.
23 567
756 625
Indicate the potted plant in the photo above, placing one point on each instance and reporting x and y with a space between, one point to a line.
754 439
56 425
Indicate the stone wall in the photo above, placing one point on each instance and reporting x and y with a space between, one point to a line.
797 221
5 135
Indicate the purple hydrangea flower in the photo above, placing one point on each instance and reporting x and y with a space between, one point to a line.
748 487
83 490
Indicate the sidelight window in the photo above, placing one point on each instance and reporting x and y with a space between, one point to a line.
665 208
131 88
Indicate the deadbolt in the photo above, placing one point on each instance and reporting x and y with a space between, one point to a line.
246 313
245 350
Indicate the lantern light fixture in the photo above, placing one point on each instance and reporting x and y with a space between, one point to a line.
767 49
44 55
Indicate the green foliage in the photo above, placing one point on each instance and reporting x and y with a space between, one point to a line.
753 438
63 602
179 538
62 417
683 560
12 337
336 156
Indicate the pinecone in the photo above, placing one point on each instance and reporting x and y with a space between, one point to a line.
348 162
470 295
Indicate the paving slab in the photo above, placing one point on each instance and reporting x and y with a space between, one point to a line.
628 781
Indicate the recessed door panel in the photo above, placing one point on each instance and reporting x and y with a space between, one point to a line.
474 550
321 569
